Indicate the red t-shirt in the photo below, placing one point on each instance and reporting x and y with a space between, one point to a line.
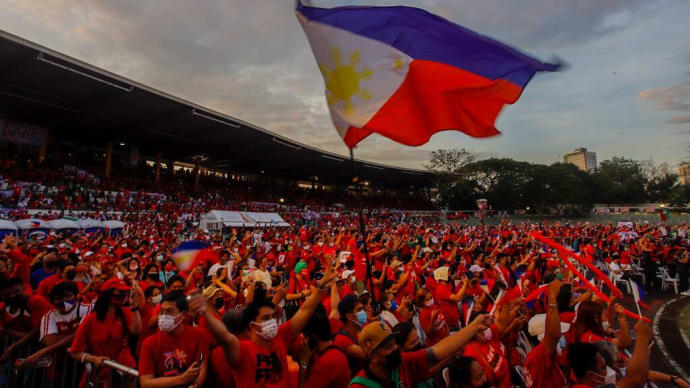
491 356
413 370
222 374
164 355
448 308
25 319
542 371
329 369
107 338
265 367
439 329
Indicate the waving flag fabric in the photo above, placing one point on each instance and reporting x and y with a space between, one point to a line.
191 253
406 74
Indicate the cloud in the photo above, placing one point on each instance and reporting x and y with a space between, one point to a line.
679 120
250 59
673 98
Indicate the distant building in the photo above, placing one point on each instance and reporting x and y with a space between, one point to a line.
585 161
684 173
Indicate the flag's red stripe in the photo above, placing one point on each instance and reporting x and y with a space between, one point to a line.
437 97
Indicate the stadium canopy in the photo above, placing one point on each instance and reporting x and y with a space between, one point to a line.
83 104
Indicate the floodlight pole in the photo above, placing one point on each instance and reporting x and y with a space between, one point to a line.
362 228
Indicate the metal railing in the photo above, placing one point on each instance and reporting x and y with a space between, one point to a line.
60 370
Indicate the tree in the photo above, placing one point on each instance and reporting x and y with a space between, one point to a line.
660 181
621 180
680 196
452 190
450 161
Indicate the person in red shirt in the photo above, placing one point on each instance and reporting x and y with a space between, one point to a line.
589 367
447 300
466 372
388 366
353 316
174 356
103 333
541 365
432 320
21 315
487 349
66 272
262 360
322 364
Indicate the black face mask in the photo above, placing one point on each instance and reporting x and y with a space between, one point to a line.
153 276
71 274
393 360
219 303
51 264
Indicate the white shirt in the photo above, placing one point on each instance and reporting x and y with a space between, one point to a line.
56 323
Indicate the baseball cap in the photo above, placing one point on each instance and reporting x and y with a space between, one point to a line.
347 273
116 284
374 335
476 268
210 291
536 326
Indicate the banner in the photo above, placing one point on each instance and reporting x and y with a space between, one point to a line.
19 133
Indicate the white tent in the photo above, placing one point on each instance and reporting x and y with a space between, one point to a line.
64 223
217 219
113 224
90 225
32 223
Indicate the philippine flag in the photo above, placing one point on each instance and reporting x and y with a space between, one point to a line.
406 74
191 253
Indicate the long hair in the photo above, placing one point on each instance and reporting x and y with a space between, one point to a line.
461 372
103 303
589 319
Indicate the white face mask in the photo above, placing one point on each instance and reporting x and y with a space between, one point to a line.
429 303
167 323
157 299
269 329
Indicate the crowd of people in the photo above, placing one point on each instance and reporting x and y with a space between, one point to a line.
404 303
67 184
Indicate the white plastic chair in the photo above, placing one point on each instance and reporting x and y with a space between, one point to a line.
666 279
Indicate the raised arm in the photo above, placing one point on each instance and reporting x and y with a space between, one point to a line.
451 345
230 343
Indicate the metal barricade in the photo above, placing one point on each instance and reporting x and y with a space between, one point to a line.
59 370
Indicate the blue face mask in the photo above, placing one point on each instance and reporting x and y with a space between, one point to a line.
361 318
394 305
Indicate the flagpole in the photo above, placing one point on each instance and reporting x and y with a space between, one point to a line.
362 228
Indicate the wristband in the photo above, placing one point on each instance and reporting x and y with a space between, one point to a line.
83 357
553 305
304 365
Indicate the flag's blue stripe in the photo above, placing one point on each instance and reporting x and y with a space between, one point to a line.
425 36
190 246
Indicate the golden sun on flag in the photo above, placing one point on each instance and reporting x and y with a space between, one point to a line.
342 83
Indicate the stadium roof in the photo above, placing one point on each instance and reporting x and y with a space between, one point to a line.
87 105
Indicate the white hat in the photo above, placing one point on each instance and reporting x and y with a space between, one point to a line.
476 268
537 326
346 274
88 253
